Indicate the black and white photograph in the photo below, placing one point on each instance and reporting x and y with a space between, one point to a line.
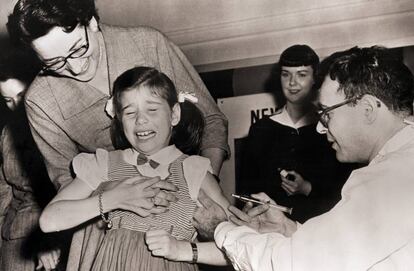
213 135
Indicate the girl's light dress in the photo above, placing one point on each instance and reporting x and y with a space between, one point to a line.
123 246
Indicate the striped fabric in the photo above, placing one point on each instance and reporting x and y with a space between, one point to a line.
177 221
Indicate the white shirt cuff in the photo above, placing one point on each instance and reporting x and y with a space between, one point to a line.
221 231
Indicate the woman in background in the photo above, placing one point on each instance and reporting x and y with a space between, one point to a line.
284 155
24 184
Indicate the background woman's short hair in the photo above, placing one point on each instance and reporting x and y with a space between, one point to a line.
299 55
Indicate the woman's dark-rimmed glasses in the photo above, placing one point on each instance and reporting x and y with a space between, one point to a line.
61 61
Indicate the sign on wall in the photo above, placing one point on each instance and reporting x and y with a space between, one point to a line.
241 112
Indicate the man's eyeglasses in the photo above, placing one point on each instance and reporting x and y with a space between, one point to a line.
324 113
61 61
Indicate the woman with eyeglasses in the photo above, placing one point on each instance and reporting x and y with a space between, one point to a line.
81 58
284 155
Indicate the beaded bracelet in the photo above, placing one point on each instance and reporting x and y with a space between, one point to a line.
195 252
108 221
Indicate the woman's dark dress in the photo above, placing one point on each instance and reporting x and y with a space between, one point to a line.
271 146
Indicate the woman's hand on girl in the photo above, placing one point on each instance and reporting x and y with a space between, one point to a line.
207 216
162 244
164 198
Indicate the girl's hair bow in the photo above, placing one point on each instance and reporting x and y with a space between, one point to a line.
183 95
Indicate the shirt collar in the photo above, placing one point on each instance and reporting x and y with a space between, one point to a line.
283 118
397 141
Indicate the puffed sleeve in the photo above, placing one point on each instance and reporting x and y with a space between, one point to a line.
195 169
92 168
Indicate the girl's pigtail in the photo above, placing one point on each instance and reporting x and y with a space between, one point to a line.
187 134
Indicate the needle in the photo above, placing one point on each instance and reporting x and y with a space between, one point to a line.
279 207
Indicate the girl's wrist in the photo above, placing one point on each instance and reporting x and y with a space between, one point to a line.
105 202
109 202
185 251
102 210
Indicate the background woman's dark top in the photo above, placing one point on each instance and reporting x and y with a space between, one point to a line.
25 189
271 145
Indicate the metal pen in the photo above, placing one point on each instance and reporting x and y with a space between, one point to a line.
279 207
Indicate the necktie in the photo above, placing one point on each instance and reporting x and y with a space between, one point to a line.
143 159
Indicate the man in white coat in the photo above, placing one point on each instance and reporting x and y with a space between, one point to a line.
366 99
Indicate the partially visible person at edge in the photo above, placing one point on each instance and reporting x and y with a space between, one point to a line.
159 135
366 105
287 141
25 188
81 59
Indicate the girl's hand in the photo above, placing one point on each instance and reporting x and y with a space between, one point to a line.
48 260
162 244
296 186
140 195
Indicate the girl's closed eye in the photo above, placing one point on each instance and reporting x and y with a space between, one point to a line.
130 113
152 109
